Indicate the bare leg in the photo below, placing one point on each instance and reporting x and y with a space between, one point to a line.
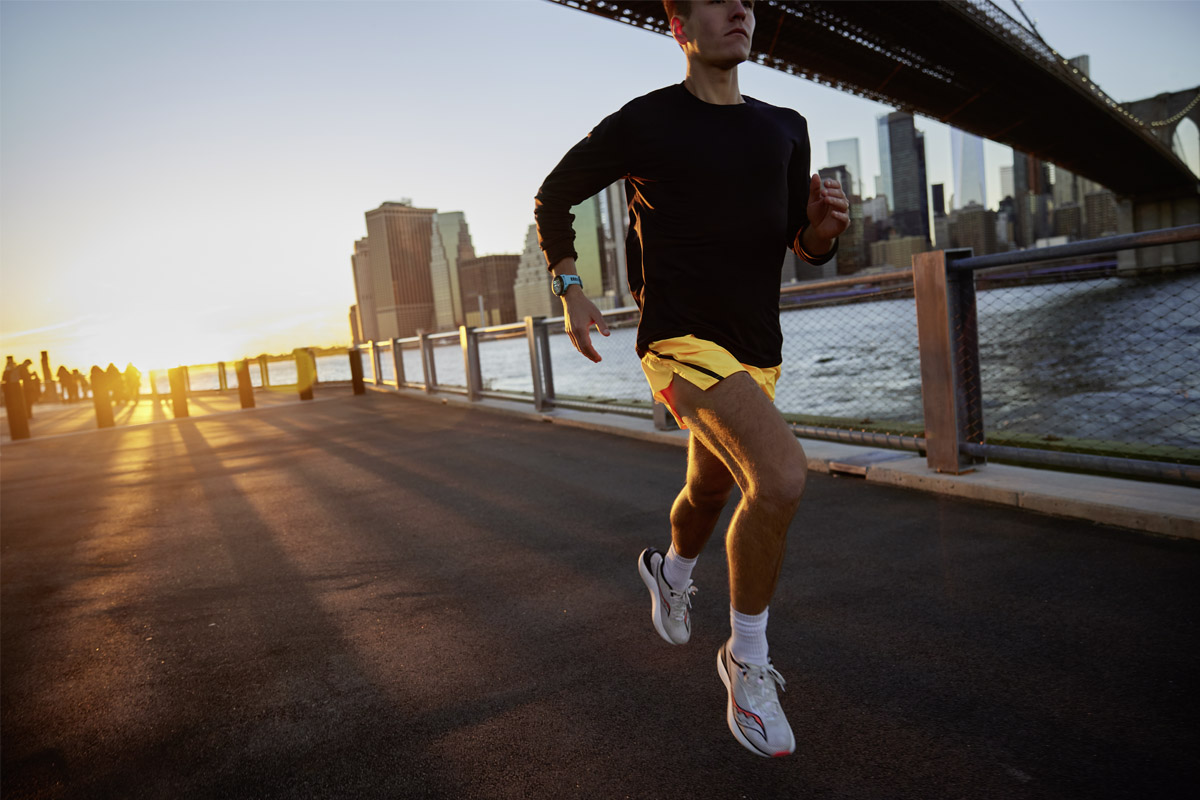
736 423
698 506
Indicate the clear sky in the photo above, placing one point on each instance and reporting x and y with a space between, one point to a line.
183 182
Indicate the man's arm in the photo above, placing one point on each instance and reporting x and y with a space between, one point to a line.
813 206
579 313
828 214
586 169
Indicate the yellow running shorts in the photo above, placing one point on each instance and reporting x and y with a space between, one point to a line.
701 363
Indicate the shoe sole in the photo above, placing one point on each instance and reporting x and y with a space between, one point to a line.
734 728
655 599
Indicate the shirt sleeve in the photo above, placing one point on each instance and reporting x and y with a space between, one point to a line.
798 182
586 169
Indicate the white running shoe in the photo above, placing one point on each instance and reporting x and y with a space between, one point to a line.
754 715
668 607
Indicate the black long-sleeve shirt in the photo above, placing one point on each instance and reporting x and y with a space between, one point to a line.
716 196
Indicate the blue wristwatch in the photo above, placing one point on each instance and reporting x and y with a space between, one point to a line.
564 282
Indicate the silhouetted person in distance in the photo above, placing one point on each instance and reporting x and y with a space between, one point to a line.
67 382
30 386
100 387
116 387
133 382
10 374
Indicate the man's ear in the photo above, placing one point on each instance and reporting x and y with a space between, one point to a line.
677 31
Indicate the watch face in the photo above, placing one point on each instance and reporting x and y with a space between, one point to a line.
557 286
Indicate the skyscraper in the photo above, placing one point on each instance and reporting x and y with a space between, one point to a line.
531 287
450 246
400 239
939 199
845 152
487 286
966 150
364 291
1031 196
883 185
910 205
1006 182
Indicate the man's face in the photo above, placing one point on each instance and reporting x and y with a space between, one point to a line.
719 32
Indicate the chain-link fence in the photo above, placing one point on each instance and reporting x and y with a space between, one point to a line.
850 357
1093 362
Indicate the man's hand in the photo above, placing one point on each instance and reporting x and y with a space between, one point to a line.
579 315
828 214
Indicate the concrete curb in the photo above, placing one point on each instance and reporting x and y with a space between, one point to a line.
1161 509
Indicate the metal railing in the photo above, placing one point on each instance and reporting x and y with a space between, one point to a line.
890 360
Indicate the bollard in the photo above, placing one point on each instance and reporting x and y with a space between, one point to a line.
101 398
245 388
178 382
356 371
14 400
222 378
305 373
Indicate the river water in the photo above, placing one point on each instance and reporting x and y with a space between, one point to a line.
1112 358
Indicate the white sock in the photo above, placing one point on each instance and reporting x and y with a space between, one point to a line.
677 569
749 642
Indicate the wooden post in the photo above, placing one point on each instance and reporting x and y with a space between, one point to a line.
245 387
947 335
178 381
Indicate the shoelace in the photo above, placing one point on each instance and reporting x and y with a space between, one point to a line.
763 690
679 608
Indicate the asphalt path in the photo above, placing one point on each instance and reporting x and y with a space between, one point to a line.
379 597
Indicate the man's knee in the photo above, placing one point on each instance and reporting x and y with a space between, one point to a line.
782 485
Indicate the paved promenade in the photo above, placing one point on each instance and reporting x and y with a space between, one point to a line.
384 597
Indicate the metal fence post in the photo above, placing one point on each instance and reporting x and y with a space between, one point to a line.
222 378
948 338
535 371
376 367
398 363
469 340
356 371
543 337
245 387
178 380
428 368
264 373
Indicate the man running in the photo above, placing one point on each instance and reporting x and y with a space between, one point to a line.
719 187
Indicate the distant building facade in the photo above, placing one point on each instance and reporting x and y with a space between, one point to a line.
845 152
399 239
974 227
966 150
910 200
367 328
487 289
450 245
897 251
531 287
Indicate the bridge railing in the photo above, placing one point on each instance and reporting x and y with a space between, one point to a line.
1078 365
917 359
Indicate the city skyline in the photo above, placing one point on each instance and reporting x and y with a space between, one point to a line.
231 149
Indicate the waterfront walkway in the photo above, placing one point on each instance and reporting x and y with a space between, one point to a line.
384 597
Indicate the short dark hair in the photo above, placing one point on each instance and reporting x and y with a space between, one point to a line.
677 8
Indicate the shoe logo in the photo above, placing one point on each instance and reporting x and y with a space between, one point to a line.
749 720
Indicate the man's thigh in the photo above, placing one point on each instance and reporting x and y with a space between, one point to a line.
738 424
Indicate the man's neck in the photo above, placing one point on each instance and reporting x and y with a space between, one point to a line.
713 85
